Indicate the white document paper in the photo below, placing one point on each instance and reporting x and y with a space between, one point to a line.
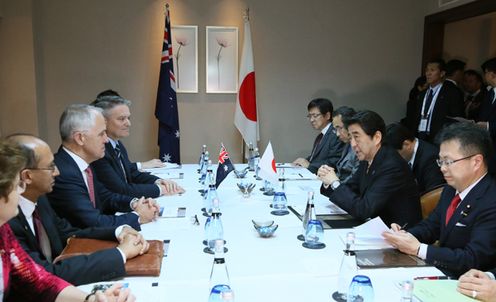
369 234
167 166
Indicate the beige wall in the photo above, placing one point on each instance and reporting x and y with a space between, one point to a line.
360 53
478 43
17 73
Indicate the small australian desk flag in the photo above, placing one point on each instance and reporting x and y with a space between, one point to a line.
225 166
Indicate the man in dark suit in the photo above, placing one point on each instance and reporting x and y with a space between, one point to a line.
44 235
420 156
327 148
77 195
464 221
475 93
487 115
347 165
383 185
437 104
115 171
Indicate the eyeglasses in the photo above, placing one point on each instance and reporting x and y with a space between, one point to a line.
449 162
313 116
51 167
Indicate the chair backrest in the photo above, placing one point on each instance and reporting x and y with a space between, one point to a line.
429 200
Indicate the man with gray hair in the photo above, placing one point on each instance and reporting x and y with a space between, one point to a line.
77 194
115 170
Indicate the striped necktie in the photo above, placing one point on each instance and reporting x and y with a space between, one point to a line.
91 187
118 153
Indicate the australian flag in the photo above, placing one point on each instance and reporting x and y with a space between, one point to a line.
225 166
166 105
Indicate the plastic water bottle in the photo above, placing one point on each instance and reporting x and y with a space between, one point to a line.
211 196
220 285
207 163
307 216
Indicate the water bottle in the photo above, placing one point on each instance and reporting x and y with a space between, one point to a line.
406 291
207 163
220 285
348 267
215 229
256 161
202 157
251 166
206 185
206 230
210 197
307 216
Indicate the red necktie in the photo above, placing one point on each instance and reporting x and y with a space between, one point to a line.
91 188
318 139
452 207
42 236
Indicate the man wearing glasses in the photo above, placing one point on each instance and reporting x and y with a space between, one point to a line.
327 148
464 221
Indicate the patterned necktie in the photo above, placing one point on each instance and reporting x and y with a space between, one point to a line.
452 207
316 143
91 188
118 153
428 102
42 236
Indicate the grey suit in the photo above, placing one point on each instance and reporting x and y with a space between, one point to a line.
347 164
328 152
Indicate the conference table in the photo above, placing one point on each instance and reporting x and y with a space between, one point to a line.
278 268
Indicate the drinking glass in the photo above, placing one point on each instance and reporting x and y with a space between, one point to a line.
361 289
314 235
279 204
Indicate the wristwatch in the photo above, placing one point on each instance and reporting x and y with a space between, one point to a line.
335 184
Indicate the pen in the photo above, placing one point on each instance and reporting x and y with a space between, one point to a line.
300 175
404 226
432 278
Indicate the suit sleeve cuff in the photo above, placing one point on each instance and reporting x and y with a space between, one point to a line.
118 230
122 254
422 253
159 189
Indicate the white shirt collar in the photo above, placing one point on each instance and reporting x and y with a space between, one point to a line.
464 193
412 160
81 163
452 81
324 131
112 142
27 208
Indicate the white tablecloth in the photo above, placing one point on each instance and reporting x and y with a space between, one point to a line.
260 269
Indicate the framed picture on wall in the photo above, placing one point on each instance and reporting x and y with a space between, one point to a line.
185 52
222 59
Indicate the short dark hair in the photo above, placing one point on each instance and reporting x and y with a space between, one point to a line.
439 62
324 105
344 111
108 92
107 103
369 121
489 65
471 72
472 139
454 65
12 161
396 134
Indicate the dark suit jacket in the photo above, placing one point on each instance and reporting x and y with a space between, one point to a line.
473 108
468 241
425 168
449 103
387 190
347 164
134 183
99 266
70 198
328 151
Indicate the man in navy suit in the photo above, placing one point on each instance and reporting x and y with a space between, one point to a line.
436 105
327 148
420 156
382 186
44 235
115 170
464 221
77 195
